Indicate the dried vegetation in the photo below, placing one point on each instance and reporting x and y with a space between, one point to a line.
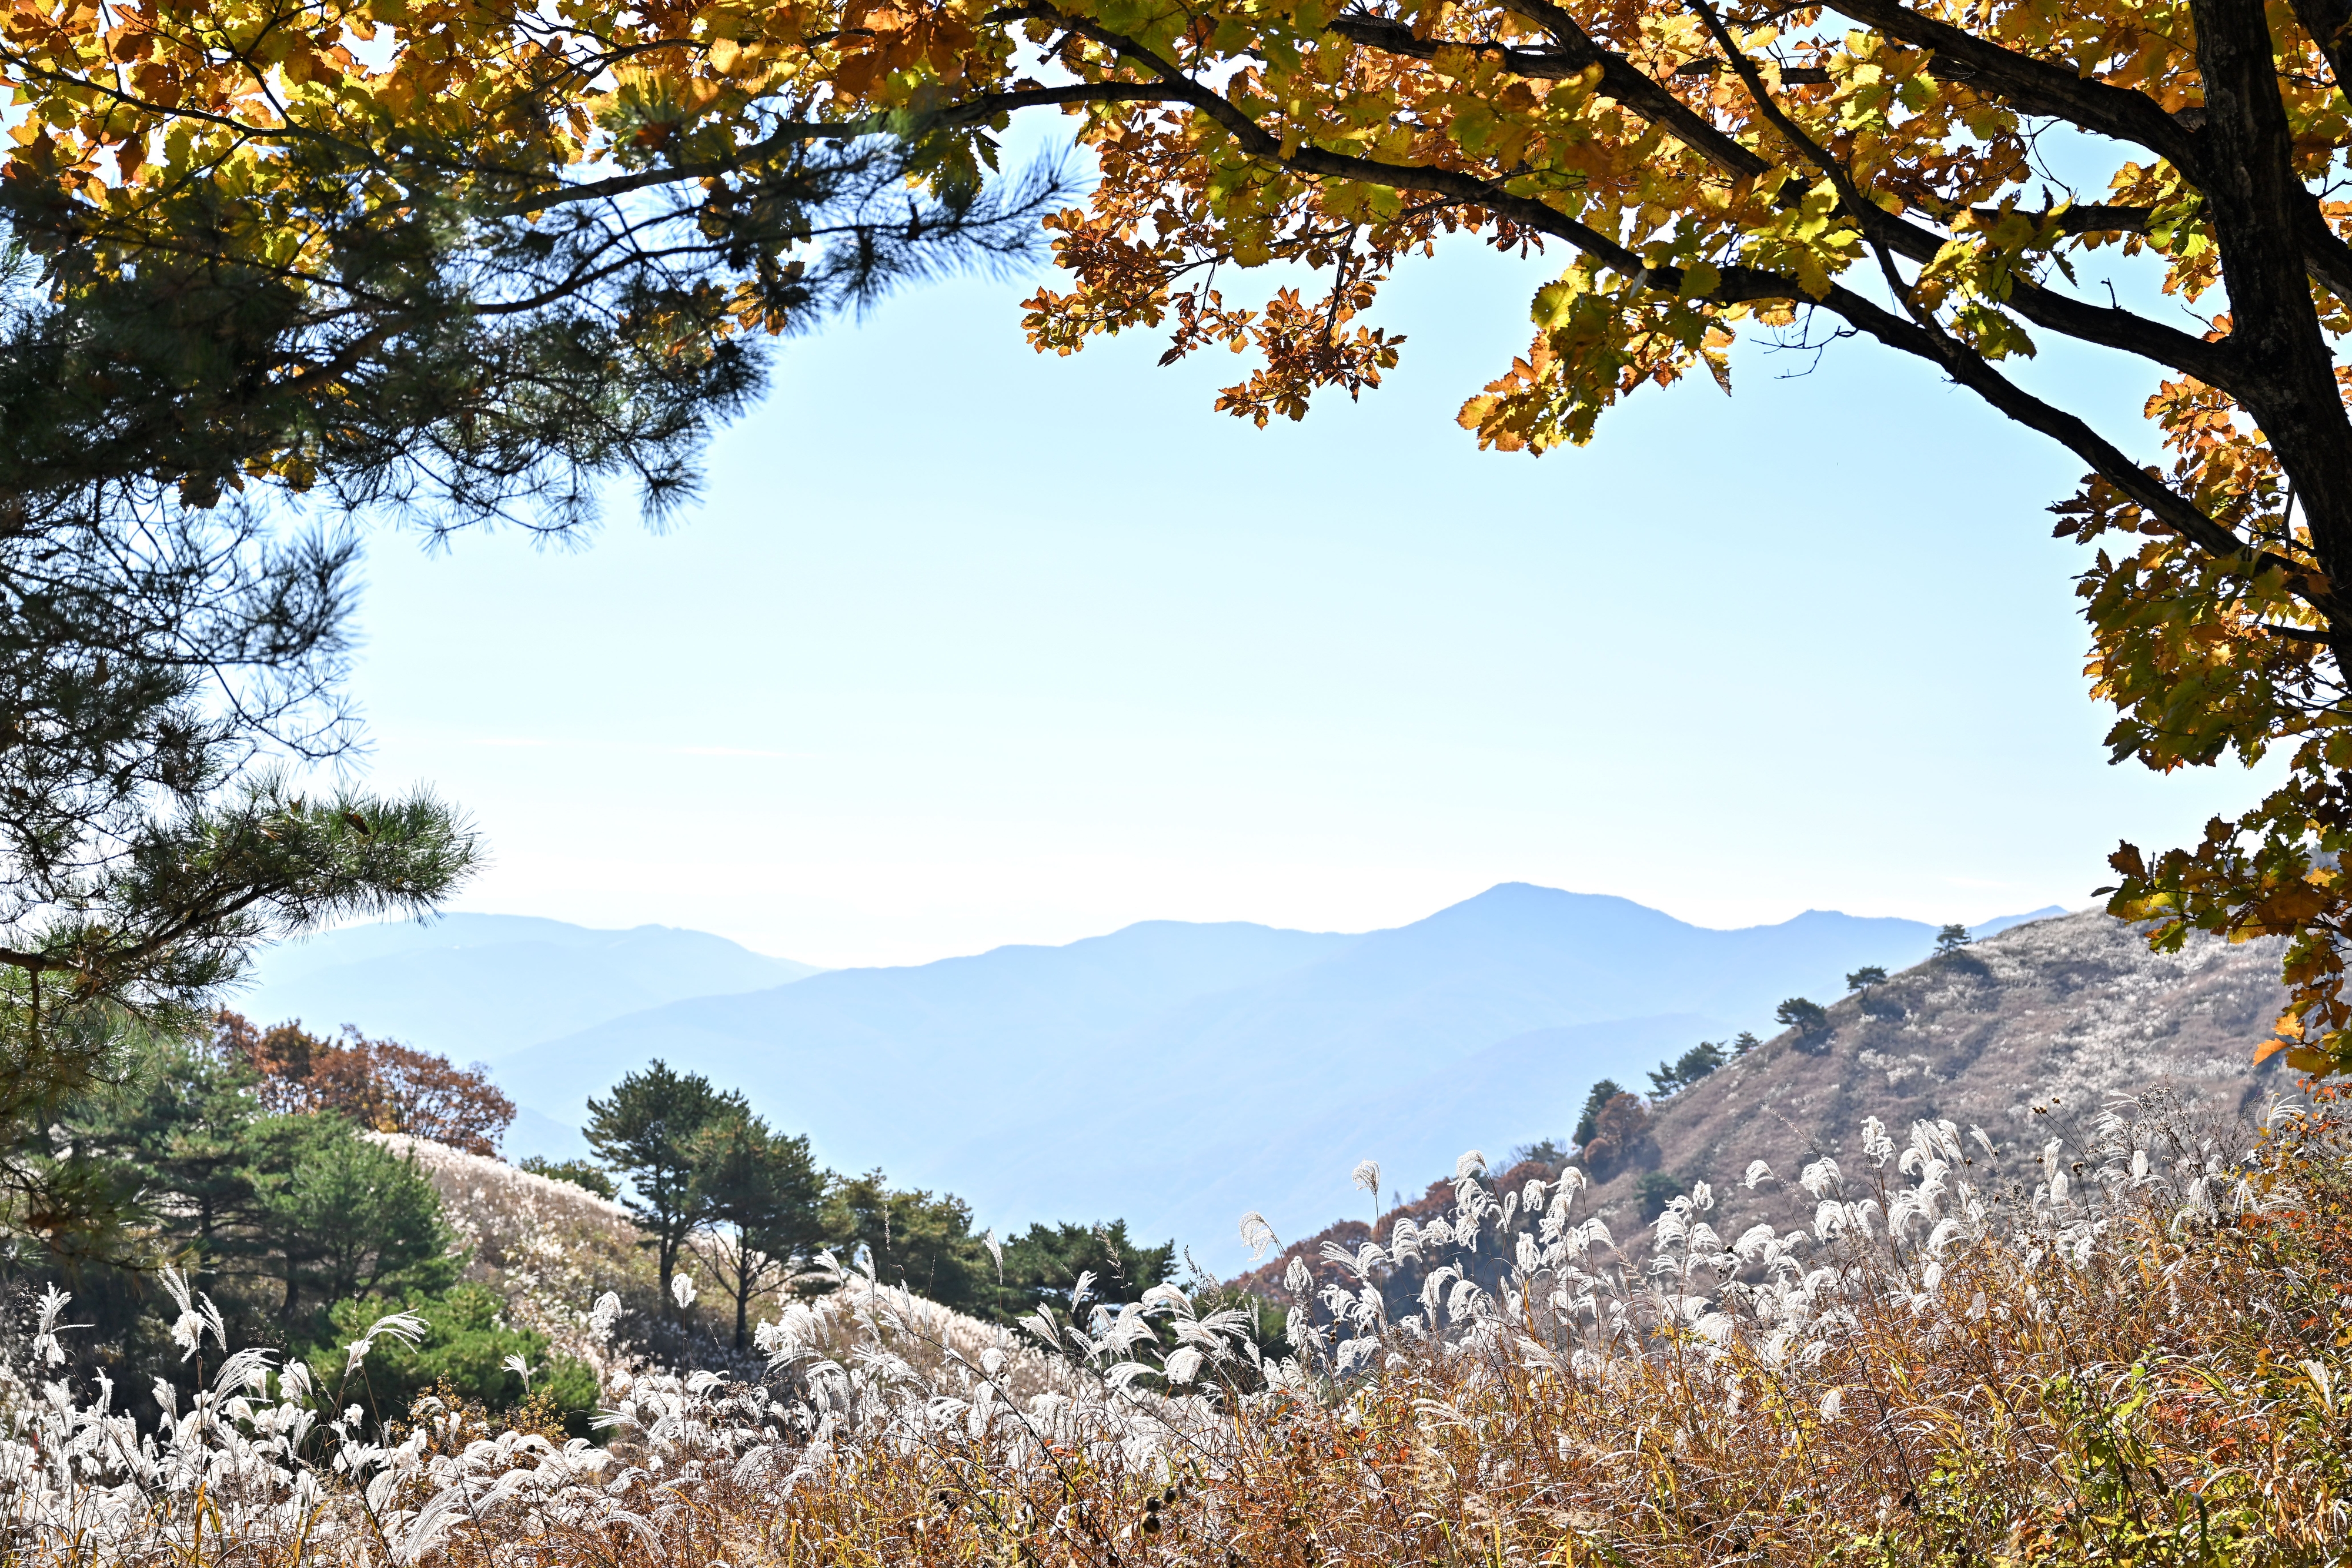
2138 1350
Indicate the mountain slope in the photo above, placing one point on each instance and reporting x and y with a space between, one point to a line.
2024 1035
1178 1074
480 988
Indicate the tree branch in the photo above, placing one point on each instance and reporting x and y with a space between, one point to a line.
2329 23
971 112
2035 86
1739 285
1620 79
2107 326
1967 366
2038 87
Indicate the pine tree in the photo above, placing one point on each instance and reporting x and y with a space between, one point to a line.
471 337
1047 1261
474 333
1809 1018
347 1219
921 1242
645 1131
161 671
761 1194
1603 1092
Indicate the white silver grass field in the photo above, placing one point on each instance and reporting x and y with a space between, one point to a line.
2058 1355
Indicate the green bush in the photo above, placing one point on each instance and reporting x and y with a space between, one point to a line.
1657 1190
586 1174
466 1344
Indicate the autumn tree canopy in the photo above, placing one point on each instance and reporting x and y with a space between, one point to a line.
379 1085
640 183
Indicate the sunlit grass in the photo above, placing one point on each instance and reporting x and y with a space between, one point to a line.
2133 1352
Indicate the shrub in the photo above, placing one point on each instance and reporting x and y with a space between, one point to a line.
1657 1189
466 1351
585 1175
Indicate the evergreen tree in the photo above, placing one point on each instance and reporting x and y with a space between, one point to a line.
183 1128
1951 939
1809 1018
1687 1068
762 1195
470 338
915 1239
645 1130
156 680
1603 1092
345 1218
1542 1152
1862 980
1047 1261
279 1216
159 1152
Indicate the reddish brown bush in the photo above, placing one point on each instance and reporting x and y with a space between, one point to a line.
380 1085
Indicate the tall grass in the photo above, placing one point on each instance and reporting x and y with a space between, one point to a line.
2139 1351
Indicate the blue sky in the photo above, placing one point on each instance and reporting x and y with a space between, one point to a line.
965 645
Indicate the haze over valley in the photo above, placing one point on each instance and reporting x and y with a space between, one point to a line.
1191 1070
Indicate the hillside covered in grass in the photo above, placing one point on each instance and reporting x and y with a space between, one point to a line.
2028 1035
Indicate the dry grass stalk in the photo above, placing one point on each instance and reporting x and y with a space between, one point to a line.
2135 1352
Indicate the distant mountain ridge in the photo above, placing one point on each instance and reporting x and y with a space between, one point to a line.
480 988
1176 1075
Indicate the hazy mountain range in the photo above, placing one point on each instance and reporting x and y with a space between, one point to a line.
1172 1074
480 988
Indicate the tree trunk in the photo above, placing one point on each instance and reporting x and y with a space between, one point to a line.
2256 200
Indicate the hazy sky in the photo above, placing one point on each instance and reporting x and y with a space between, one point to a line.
967 646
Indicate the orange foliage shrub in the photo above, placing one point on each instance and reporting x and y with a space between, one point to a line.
380 1085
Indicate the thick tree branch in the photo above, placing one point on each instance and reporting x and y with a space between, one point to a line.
2082 218
2329 23
2035 86
2038 87
1739 285
2107 326
1965 365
